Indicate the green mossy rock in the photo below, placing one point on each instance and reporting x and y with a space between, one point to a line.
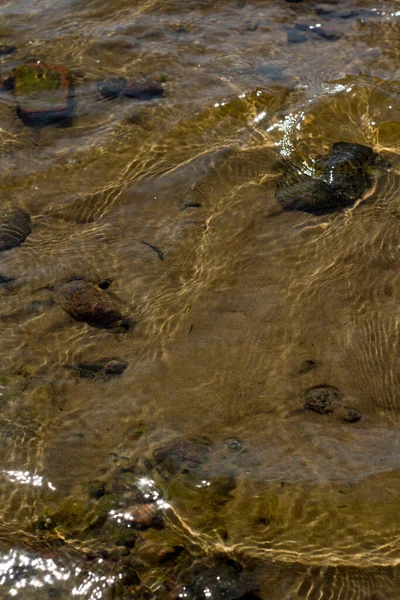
42 93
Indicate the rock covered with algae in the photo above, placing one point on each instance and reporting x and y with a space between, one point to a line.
42 93
342 176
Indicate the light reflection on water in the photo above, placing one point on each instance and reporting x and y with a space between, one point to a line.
26 478
20 572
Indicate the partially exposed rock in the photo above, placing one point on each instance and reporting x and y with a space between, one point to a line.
342 176
42 93
346 168
14 229
85 302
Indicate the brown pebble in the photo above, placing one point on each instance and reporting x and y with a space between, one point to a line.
84 302
145 516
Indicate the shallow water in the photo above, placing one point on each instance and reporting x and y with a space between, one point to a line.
246 307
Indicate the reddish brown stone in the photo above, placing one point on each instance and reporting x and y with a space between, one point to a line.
145 516
191 453
85 302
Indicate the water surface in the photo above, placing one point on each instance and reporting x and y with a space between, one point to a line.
250 307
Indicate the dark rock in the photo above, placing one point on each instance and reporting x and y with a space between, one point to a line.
327 34
38 307
350 415
270 72
296 37
294 1
222 582
115 367
346 168
233 444
170 554
85 302
104 284
142 88
306 366
6 50
130 577
4 280
322 399
310 195
112 367
97 489
88 370
112 87
6 81
343 175
302 26
182 453
14 230
344 13
127 324
326 400
43 94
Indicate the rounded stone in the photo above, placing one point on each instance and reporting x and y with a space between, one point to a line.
84 302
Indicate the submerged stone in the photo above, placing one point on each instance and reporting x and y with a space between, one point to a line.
224 581
327 34
322 399
42 93
295 36
182 453
342 177
142 88
6 50
14 229
310 195
104 284
145 516
85 302
112 87
109 367
139 88
6 81
326 400
346 168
